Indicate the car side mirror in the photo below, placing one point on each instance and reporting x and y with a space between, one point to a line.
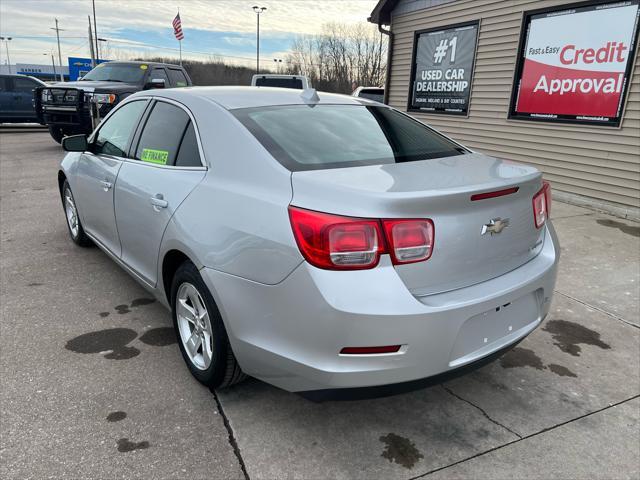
75 143
156 83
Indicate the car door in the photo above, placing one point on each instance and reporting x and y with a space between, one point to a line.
23 97
165 168
97 172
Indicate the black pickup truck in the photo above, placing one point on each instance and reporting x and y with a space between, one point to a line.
70 108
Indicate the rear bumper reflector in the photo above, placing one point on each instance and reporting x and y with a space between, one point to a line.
497 193
369 350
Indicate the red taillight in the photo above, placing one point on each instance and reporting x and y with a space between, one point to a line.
542 205
369 350
409 240
496 193
334 242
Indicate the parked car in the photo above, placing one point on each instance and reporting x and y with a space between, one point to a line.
372 93
299 82
69 108
16 98
316 242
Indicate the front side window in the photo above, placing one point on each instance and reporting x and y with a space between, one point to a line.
24 85
115 132
117 72
162 134
178 78
316 137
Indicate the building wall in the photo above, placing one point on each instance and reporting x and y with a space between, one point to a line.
598 162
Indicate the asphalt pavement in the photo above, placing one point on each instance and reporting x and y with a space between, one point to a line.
92 384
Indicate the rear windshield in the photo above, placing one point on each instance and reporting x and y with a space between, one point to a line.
317 137
279 82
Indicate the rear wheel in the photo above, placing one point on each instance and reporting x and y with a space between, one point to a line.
202 337
56 133
73 220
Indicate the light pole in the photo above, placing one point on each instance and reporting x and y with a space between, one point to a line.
105 49
6 44
258 11
53 64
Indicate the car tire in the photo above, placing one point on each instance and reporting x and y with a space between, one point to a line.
198 325
74 225
56 133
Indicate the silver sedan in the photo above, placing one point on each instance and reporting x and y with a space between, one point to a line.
318 242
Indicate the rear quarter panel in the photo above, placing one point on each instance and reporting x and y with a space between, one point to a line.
236 220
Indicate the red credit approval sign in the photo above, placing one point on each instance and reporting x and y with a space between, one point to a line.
576 63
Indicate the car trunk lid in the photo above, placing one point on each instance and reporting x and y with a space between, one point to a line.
467 248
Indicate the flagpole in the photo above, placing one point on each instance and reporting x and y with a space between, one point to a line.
180 43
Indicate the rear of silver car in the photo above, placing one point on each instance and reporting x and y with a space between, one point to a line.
412 268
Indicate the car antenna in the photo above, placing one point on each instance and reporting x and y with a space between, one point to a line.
309 95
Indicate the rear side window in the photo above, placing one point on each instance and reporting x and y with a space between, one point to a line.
162 134
188 155
115 132
316 137
178 78
279 82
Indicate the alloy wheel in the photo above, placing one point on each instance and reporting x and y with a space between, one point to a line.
194 325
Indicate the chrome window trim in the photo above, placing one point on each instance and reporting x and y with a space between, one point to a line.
203 160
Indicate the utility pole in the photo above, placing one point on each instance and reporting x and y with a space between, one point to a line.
6 44
91 50
95 30
59 51
258 11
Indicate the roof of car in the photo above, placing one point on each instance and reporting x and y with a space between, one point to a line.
232 98
136 62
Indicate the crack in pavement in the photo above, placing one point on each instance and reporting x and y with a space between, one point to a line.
450 392
544 430
232 437
612 315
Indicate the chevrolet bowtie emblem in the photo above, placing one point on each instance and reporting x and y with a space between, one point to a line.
495 226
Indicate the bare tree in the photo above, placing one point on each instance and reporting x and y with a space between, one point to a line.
340 56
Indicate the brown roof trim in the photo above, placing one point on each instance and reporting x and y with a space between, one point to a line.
381 13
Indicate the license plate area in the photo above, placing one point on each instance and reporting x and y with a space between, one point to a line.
495 328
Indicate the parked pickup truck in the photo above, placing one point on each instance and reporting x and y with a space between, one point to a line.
70 108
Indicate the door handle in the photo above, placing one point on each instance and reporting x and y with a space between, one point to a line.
158 202
106 186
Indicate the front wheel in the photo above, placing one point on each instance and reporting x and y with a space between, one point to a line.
203 340
73 220
56 133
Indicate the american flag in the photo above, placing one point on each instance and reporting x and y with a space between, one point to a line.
177 27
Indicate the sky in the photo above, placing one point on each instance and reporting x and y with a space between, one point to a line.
222 29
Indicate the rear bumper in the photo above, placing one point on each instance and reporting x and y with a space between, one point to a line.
290 334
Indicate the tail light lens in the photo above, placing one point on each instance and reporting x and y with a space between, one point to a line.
334 242
542 205
409 240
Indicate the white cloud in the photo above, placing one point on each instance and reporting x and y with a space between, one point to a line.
24 18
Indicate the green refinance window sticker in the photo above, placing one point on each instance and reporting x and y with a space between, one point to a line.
154 156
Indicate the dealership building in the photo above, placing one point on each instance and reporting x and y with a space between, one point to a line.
551 83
